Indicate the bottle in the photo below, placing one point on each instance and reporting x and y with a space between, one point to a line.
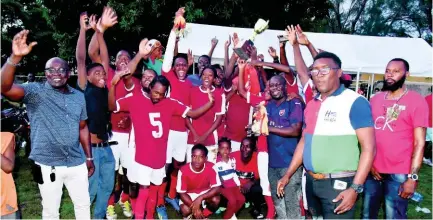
417 197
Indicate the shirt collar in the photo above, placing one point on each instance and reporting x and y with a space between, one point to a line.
48 86
336 92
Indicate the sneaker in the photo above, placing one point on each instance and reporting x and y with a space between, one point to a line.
126 207
162 212
247 205
173 202
427 161
111 214
257 214
220 210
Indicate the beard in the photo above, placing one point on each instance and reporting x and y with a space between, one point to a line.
394 86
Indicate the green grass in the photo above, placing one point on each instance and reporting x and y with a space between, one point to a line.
29 198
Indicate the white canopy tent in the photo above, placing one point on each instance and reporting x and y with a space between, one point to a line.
360 54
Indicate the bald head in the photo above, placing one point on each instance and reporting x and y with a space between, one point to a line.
57 61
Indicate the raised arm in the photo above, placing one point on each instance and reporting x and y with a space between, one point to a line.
107 20
241 83
169 52
230 67
276 66
93 49
19 50
214 43
301 68
283 57
80 51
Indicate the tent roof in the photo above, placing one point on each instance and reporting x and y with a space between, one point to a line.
367 54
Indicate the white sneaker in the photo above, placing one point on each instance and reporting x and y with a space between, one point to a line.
126 207
111 214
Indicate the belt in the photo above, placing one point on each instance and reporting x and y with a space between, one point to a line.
319 176
104 144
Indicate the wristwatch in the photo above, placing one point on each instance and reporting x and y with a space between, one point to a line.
413 176
358 188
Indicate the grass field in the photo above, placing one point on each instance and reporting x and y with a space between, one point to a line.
30 201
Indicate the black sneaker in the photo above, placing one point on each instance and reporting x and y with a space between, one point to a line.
257 214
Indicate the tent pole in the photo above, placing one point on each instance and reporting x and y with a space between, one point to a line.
357 79
372 85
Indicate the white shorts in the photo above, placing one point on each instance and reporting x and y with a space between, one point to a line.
177 146
194 196
236 146
120 151
262 163
145 175
211 155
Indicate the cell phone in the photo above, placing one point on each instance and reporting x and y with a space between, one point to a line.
37 173
283 38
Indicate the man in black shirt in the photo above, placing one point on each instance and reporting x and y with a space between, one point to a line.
91 81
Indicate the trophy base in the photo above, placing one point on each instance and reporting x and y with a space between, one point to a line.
243 52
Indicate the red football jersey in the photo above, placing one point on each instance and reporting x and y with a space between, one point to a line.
120 92
151 125
189 181
180 90
237 118
203 123
248 171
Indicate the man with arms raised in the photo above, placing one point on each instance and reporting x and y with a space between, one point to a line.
335 121
91 81
58 116
400 120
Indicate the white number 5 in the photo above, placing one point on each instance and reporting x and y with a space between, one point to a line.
154 121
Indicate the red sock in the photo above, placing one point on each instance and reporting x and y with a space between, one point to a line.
151 201
207 212
271 207
161 193
143 195
173 183
111 200
133 204
124 197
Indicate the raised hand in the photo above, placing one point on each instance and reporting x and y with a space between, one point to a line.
272 52
241 63
302 38
228 42
119 75
19 44
235 39
107 20
190 57
180 11
83 21
214 41
93 22
143 48
291 33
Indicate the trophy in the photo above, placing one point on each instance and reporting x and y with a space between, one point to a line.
242 51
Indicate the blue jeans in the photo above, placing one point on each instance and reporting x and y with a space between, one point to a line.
387 189
101 183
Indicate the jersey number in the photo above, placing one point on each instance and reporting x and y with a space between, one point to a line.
154 121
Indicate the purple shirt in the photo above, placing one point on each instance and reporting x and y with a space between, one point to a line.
281 149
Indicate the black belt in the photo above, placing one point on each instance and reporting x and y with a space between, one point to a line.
104 144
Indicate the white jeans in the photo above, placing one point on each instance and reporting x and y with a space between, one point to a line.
77 184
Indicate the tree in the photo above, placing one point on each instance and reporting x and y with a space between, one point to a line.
399 18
